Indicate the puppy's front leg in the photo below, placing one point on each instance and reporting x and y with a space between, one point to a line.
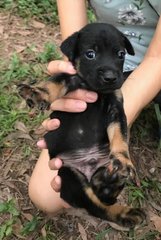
44 93
117 134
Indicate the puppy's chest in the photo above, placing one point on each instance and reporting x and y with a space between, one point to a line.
81 140
83 129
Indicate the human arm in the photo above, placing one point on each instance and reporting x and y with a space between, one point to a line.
72 17
145 81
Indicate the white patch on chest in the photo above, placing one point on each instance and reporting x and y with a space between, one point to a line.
80 131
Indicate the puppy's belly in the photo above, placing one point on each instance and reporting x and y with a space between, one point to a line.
86 160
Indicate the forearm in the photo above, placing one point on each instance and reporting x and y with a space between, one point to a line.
141 87
72 16
145 82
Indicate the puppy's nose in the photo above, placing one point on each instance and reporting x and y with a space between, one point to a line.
108 76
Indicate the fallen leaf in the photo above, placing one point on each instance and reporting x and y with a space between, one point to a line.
82 232
17 227
7 168
25 33
1 29
43 232
118 227
19 48
37 24
156 221
17 135
28 216
21 126
155 206
84 215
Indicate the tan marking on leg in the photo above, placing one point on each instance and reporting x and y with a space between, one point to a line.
123 159
118 95
117 143
112 210
94 198
51 91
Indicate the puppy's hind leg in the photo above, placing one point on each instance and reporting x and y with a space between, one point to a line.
124 216
77 191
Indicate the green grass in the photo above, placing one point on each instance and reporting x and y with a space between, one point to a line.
102 234
12 218
9 209
30 226
138 195
50 52
42 10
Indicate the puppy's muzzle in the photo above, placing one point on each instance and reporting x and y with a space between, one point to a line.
108 76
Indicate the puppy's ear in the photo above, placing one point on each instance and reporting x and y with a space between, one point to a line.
128 46
69 46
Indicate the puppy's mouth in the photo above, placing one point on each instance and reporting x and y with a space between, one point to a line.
107 86
108 89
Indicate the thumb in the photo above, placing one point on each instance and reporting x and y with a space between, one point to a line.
59 66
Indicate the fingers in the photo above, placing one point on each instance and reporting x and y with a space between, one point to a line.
83 95
74 101
51 124
56 184
55 164
59 66
68 105
42 144
48 124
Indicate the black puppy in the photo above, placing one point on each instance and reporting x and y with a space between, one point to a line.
92 144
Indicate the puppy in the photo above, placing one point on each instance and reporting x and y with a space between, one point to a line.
92 144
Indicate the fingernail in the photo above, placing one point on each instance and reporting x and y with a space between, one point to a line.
81 105
71 69
40 143
58 163
91 96
55 123
57 180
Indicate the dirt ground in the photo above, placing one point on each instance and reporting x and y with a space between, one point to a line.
16 35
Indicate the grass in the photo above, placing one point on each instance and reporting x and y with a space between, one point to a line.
9 209
41 10
138 195
102 234
151 235
12 219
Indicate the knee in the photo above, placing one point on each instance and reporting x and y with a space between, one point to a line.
44 197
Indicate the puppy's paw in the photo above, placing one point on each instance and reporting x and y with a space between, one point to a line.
123 167
107 186
131 217
33 97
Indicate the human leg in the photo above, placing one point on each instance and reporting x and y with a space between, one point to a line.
40 191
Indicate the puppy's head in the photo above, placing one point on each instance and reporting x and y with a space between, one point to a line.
98 52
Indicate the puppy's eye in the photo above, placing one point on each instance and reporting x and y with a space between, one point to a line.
90 54
121 54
